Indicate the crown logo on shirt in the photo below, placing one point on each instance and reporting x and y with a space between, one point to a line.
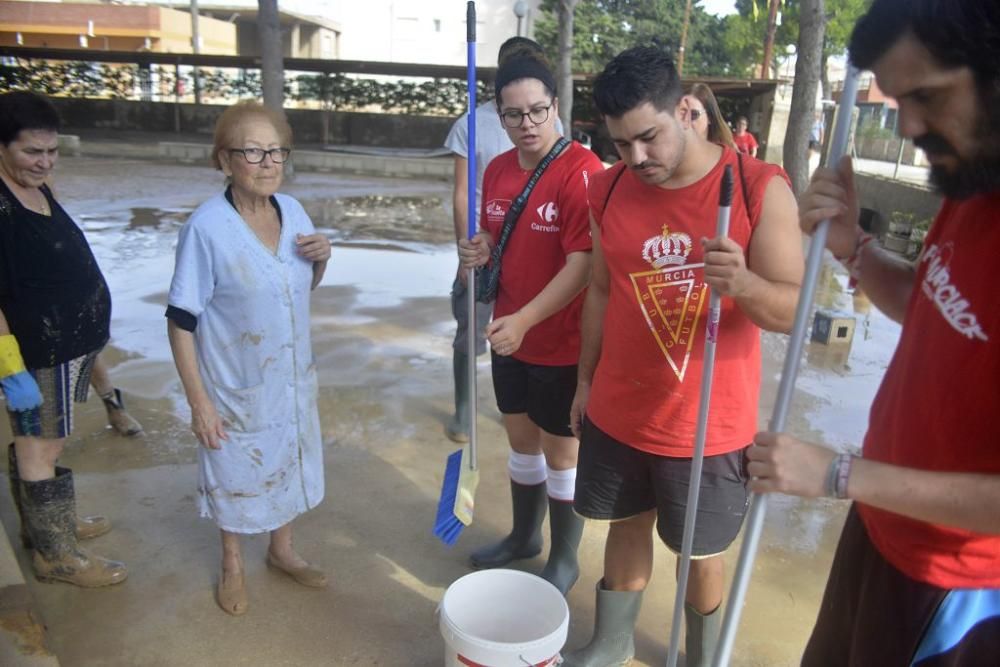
669 248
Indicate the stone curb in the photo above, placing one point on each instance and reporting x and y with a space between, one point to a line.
23 636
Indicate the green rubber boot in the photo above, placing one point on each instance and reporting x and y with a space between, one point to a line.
457 429
613 642
525 538
566 528
702 635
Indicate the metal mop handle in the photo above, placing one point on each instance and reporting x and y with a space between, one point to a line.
708 368
470 293
758 504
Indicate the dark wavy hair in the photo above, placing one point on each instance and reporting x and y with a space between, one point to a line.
958 33
24 110
635 76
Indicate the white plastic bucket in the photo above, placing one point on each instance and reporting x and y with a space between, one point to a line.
503 618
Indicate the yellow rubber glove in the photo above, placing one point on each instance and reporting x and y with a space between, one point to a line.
18 384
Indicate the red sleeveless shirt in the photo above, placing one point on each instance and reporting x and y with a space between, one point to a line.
646 387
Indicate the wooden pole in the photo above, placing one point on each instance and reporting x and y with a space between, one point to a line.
772 26
684 37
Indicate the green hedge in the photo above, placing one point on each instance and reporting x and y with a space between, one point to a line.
331 91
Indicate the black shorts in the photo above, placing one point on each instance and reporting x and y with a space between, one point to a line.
873 614
615 481
545 393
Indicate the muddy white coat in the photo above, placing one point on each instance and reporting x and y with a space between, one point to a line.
255 358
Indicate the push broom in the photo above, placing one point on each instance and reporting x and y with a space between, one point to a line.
698 458
758 505
461 473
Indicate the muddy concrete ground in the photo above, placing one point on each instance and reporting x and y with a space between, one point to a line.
381 333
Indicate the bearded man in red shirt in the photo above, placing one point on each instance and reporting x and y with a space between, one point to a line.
916 577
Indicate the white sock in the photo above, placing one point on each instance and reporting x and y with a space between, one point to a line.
561 484
526 469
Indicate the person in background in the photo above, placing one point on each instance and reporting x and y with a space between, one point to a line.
238 323
491 140
118 418
55 313
535 335
706 118
744 140
916 576
816 134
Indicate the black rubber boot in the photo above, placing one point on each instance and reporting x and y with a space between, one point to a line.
525 538
49 509
614 628
702 635
566 528
457 429
87 527
15 492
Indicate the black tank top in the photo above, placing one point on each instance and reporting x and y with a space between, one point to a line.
52 292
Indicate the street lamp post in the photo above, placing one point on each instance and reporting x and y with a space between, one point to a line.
520 11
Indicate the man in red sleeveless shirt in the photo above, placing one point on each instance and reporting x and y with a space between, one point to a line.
639 375
916 577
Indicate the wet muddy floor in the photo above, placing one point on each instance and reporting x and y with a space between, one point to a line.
382 338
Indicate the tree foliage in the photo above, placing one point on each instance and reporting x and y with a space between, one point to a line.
603 28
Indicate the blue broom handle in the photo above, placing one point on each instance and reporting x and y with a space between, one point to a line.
471 180
758 503
698 458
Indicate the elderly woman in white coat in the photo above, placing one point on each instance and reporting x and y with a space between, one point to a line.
238 322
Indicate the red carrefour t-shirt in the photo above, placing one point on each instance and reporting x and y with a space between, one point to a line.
939 405
745 142
647 384
554 223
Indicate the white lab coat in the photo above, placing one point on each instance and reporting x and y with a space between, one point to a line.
255 357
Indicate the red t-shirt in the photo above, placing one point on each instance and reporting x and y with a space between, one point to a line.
745 142
939 405
647 384
555 222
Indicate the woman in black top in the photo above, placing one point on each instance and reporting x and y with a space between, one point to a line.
55 310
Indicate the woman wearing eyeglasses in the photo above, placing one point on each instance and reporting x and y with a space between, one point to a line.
238 322
535 333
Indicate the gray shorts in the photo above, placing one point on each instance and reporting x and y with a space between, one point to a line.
460 310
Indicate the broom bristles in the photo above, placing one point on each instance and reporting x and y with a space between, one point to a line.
447 527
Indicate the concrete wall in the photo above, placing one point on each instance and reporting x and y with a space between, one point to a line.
885 196
363 129
437 168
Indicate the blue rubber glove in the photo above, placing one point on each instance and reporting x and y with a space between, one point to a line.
21 391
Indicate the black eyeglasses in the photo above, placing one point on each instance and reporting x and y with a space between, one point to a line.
513 118
256 155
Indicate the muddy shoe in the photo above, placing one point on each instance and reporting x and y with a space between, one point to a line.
231 593
120 420
80 569
49 508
